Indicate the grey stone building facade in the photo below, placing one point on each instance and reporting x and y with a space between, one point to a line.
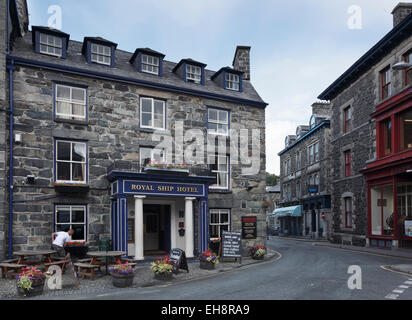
86 114
354 97
305 176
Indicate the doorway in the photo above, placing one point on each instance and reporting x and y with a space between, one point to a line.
156 227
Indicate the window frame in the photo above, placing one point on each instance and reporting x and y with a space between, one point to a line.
71 206
56 161
219 224
233 79
347 121
153 65
218 122
153 113
110 55
406 58
193 67
67 117
384 84
152 153
227 172
348 213
54 46
348 163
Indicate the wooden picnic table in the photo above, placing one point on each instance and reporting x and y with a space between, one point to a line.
105 254
24 255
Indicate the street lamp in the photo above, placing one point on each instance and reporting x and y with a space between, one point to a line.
403 65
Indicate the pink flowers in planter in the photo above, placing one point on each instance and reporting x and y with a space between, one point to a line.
163 165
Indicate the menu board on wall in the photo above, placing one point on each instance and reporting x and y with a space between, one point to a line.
249 228
408 228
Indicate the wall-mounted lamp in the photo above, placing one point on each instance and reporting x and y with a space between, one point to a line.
403 65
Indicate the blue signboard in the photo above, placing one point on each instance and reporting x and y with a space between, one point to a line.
313 189
164 188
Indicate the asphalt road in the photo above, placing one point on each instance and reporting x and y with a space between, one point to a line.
304 272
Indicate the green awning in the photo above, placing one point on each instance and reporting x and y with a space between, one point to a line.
295 211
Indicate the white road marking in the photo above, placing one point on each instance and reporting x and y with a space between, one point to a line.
398 291
403 287
408 282
392 296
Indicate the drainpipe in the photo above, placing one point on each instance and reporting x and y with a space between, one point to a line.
11 68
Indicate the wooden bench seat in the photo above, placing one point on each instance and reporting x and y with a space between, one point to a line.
11 269
86 269
62 264
10 261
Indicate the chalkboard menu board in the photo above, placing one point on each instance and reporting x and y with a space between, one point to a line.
249 227
178 259
231 244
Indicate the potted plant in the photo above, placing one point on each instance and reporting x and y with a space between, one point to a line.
162 268
122 275
208 260
77 249
257 252
30 282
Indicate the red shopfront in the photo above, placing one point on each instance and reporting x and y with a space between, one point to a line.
389 177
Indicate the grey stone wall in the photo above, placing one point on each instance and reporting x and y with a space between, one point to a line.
3 119
241 61
401 11
362 95
114 137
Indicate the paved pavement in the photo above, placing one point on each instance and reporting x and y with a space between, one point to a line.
304 272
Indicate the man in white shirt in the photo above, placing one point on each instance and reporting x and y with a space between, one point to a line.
59 241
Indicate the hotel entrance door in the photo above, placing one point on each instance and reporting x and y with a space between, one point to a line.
156 220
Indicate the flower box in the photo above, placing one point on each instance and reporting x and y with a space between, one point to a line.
71 187
122 275
77 249
166 171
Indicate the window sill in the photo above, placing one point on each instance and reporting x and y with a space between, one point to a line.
78 122
150 130
221 191
68 188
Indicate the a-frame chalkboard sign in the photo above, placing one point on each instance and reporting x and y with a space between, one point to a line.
68 260
178 259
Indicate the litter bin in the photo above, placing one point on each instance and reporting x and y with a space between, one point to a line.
104 244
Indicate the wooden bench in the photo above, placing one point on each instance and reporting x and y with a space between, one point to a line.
86 269
10 261
62 264
11 269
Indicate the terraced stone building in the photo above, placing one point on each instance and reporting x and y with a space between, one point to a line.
84 150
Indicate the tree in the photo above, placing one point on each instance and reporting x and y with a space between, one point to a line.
271 179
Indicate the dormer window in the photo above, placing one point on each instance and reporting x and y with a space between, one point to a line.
232 81
101 54
193 74
150 64
191 71
312 122
100 51
50 41
51 45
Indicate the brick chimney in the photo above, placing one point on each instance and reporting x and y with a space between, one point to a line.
401 11
241 61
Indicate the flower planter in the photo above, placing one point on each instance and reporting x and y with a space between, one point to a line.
77 252
71 188
37 290
166 171
207 265
122 280
164 276
258 257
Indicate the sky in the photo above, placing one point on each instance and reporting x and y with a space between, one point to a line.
299 47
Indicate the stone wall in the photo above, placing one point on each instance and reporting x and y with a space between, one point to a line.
114 137
362 95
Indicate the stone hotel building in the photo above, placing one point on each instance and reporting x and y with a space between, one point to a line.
77 126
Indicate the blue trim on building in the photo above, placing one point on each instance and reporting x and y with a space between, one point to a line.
143 83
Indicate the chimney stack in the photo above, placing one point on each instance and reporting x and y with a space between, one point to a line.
241 61
401 11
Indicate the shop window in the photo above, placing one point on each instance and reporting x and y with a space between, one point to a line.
152 114
219 166
71 217
348 212
385 79
387 136
404 195
71 160
347 156
382 207
70 102
219 222
406 129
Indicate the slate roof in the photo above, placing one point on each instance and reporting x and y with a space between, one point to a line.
274 189
23 49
